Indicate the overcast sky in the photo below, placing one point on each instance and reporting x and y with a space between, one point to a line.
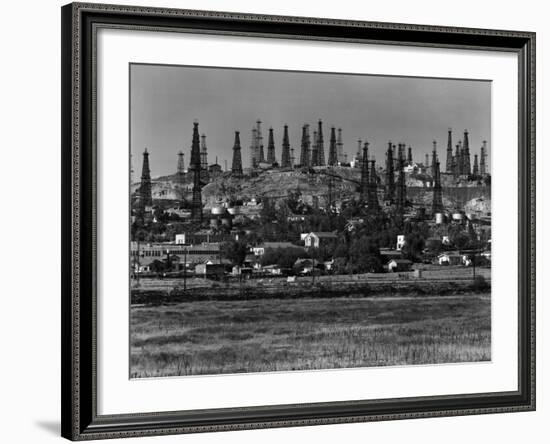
165 100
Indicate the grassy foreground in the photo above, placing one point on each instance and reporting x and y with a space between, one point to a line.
212 337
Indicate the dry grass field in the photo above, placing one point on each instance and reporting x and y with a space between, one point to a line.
213 337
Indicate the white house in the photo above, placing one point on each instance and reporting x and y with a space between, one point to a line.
316 239
399 265
400 242
451 259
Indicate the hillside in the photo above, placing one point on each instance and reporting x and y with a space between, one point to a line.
276 184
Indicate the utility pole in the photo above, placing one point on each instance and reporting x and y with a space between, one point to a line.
185 269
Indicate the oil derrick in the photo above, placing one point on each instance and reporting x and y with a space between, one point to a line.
410 156
475 170
271 148
145 195
434 160
237 165
401 190
204 159
358 155
314 151
181 176
437 204
285 156
254 154
390 179
449 164
260 142
332 152
204 155
372 202
467 167
456 160
321 145
460 158
305 147
396 150
340 147
195 167
483 159
365 182
257 146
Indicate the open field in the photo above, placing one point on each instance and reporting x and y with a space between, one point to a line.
217 336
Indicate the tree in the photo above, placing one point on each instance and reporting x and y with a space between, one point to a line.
364 256
283 257
235 251
461 240
414 245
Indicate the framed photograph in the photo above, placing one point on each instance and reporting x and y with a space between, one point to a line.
277 221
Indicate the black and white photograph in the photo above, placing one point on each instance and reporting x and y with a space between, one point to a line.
287 220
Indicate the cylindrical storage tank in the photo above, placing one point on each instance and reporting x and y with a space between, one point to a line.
217 210
457 216
439 218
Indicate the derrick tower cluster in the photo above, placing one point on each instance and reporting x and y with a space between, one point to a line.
396 159
459 163
393 179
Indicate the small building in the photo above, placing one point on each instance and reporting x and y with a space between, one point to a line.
303 266
450 259
319 238
387 255
260 249
272 269
180 239
328 265
397 265
354 223
400 242
208 269
215 170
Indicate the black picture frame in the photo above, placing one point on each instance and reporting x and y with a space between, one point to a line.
79 395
